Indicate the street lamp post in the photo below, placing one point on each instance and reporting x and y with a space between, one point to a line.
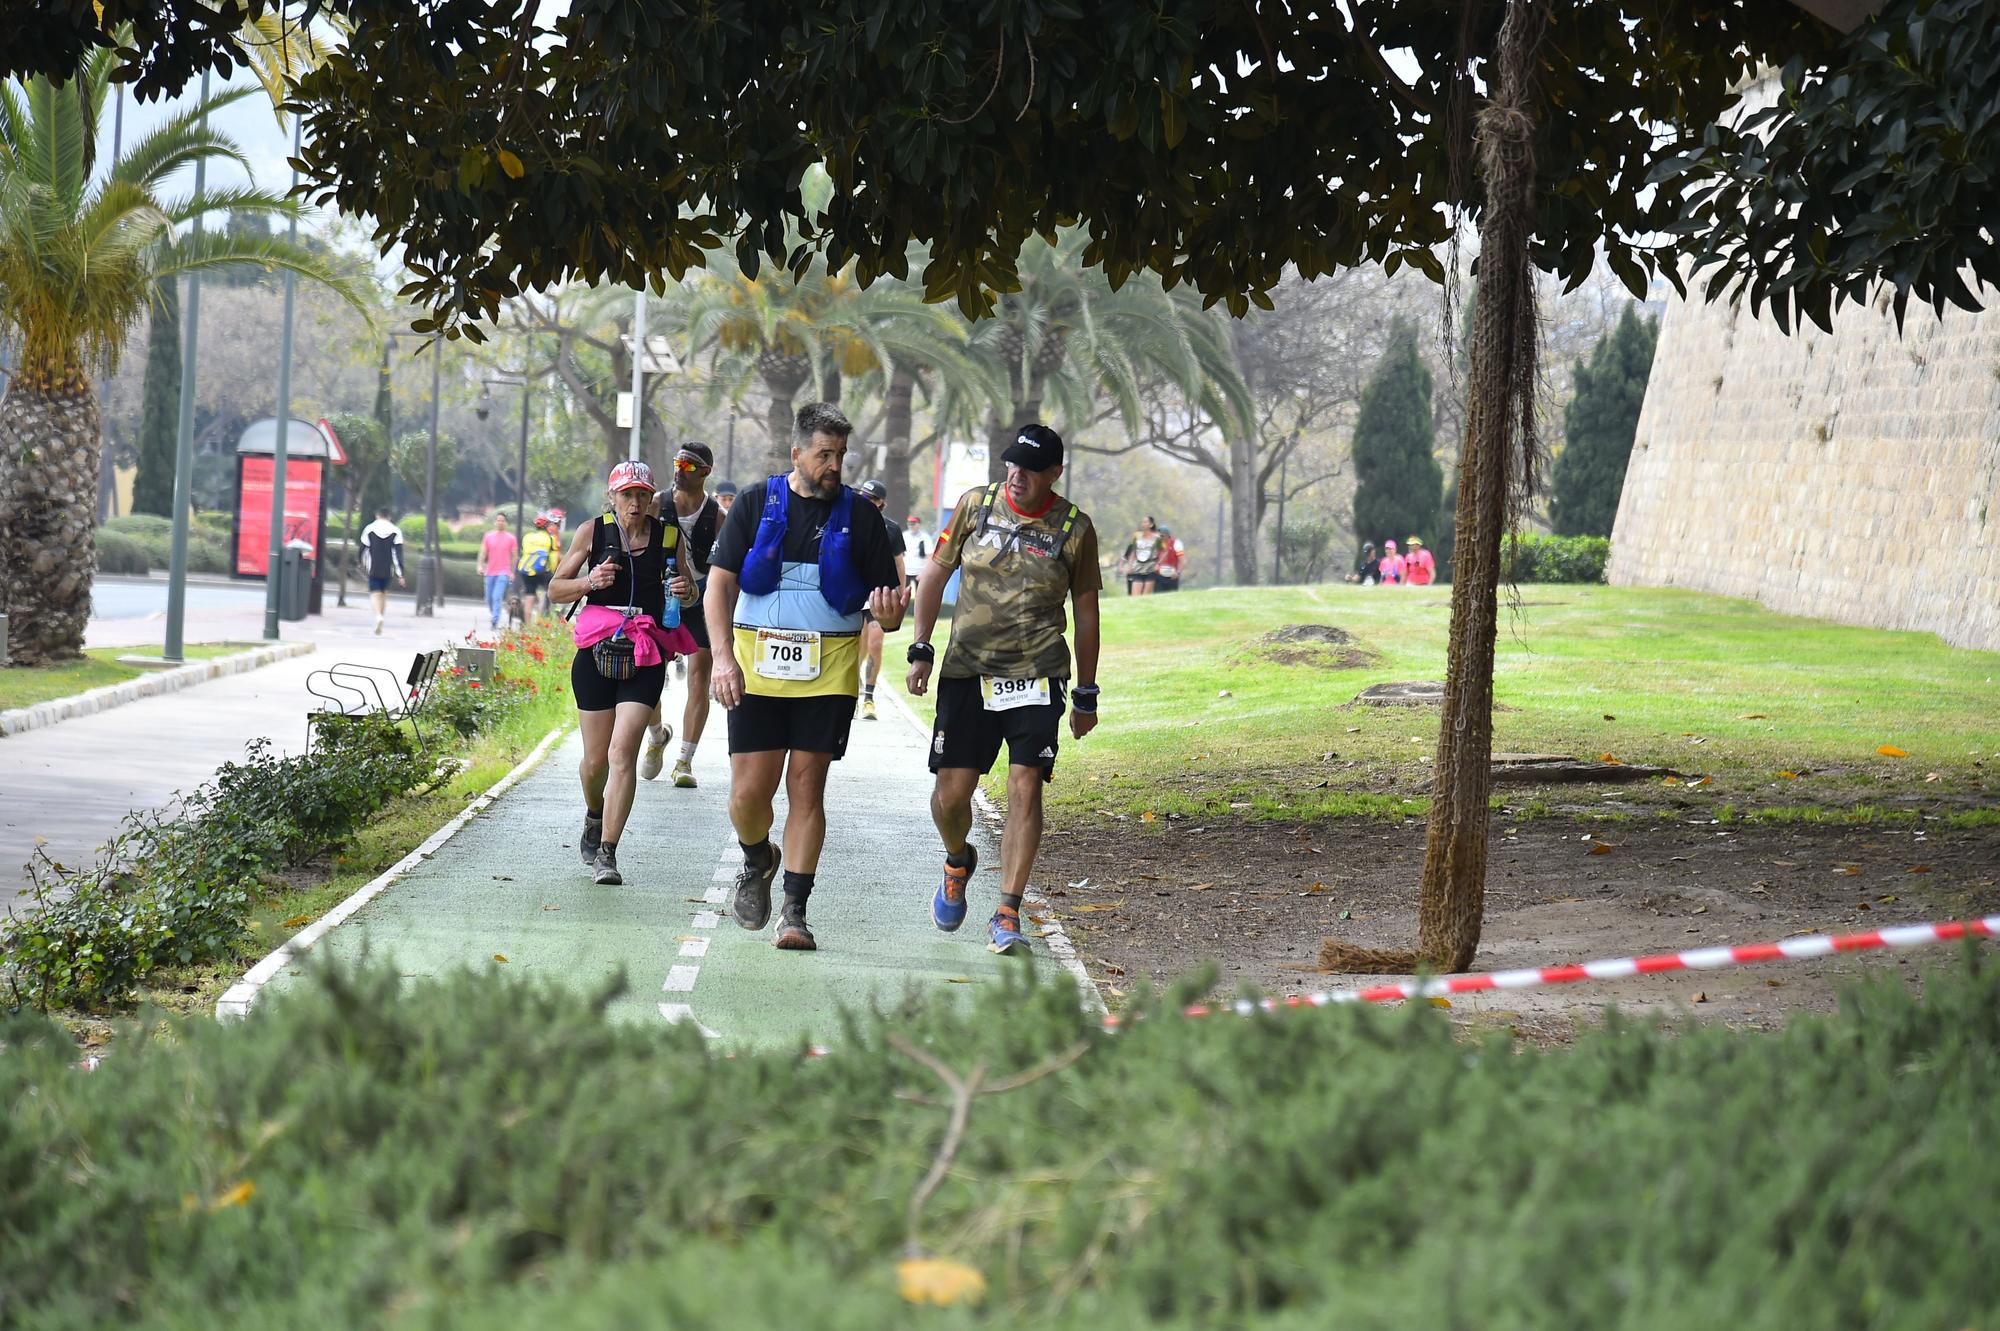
485 409
273 563
184 435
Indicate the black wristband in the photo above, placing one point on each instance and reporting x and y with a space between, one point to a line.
1083 697
921 651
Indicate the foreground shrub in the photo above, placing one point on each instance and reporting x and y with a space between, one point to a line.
1533 558
483 1151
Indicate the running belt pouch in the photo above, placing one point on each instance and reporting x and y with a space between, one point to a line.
615 657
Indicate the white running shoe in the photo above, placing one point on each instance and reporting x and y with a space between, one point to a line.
655 756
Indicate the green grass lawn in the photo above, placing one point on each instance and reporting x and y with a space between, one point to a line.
24 686
1786 717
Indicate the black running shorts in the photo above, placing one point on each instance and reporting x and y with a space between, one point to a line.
595 693
694 621
761 724
967 735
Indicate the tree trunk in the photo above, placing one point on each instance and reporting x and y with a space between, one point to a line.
896 417
1499 439
1246 510
49 441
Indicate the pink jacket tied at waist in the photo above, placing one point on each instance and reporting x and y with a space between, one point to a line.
651 644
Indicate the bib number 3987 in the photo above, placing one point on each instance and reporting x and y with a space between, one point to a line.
787 655
1004 695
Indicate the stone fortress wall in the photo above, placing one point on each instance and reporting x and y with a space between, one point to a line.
1852 476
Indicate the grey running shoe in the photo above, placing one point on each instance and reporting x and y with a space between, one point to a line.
586 845
752 906
793 935
607 874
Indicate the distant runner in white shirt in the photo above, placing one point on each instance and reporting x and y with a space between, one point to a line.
917 547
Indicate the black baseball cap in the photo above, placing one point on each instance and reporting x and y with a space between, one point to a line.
874 490
1035 448
726 488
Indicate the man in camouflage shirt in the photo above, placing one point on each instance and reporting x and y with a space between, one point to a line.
1022 551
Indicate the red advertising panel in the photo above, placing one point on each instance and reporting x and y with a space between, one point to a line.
253 512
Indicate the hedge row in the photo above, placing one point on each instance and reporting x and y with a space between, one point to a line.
484 1151
1535 558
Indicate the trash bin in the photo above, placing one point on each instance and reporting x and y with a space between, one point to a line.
294 583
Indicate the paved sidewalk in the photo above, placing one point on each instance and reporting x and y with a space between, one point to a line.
72 783
511 884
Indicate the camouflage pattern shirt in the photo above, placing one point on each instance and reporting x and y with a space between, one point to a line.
1016 577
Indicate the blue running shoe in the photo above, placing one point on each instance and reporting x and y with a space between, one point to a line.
948 903
1003 933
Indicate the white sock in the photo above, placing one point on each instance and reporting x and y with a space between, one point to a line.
656 734
687 750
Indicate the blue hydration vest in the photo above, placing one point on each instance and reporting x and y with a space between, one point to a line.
839 580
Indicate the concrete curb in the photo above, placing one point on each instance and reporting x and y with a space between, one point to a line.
89 703
236 1000
1057 939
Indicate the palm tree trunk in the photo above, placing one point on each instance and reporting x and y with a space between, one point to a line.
1500 445
49 444
783 377
896 417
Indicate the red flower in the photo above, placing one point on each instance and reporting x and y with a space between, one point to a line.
471 683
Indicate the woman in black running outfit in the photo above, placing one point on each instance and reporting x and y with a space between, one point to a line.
623 567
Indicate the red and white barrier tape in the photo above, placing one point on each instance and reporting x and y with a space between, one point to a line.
1619 968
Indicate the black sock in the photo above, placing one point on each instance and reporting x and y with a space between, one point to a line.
868 692
798 887
611 846
590 817
960 859
1012 903
757 854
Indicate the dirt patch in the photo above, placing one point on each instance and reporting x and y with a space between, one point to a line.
1322 646
1256 899
1403 693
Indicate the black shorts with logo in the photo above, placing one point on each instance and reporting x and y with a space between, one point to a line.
595 693
967 735
820 724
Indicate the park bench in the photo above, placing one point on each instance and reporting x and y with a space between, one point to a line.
348 688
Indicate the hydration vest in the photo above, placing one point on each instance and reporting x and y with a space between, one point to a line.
840 581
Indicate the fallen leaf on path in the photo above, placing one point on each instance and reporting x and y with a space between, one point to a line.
1891 751
1095 907
503 877
551 907
1670 781
1354 730
1111 969
500 957
1848 870
958 979
1045 933
939 1281
1146 817
1200 887
1789 776
1700 997
1918 868
1704 781
1862 905
1607 758
1700 910
1317 889
298 922
1601 848
1933 776
1923 868
1440 1002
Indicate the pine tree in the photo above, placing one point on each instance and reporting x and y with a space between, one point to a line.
159 411
1599 425
1398 481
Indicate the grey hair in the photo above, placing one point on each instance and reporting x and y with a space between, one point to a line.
820 418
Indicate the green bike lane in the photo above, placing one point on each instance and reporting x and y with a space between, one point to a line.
511 885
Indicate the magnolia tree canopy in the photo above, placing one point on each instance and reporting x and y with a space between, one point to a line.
1211 141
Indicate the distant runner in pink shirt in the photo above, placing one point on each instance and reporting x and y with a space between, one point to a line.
1419 568
1392 565
497 551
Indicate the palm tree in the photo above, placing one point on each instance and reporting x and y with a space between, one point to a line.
1066 334
81 255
